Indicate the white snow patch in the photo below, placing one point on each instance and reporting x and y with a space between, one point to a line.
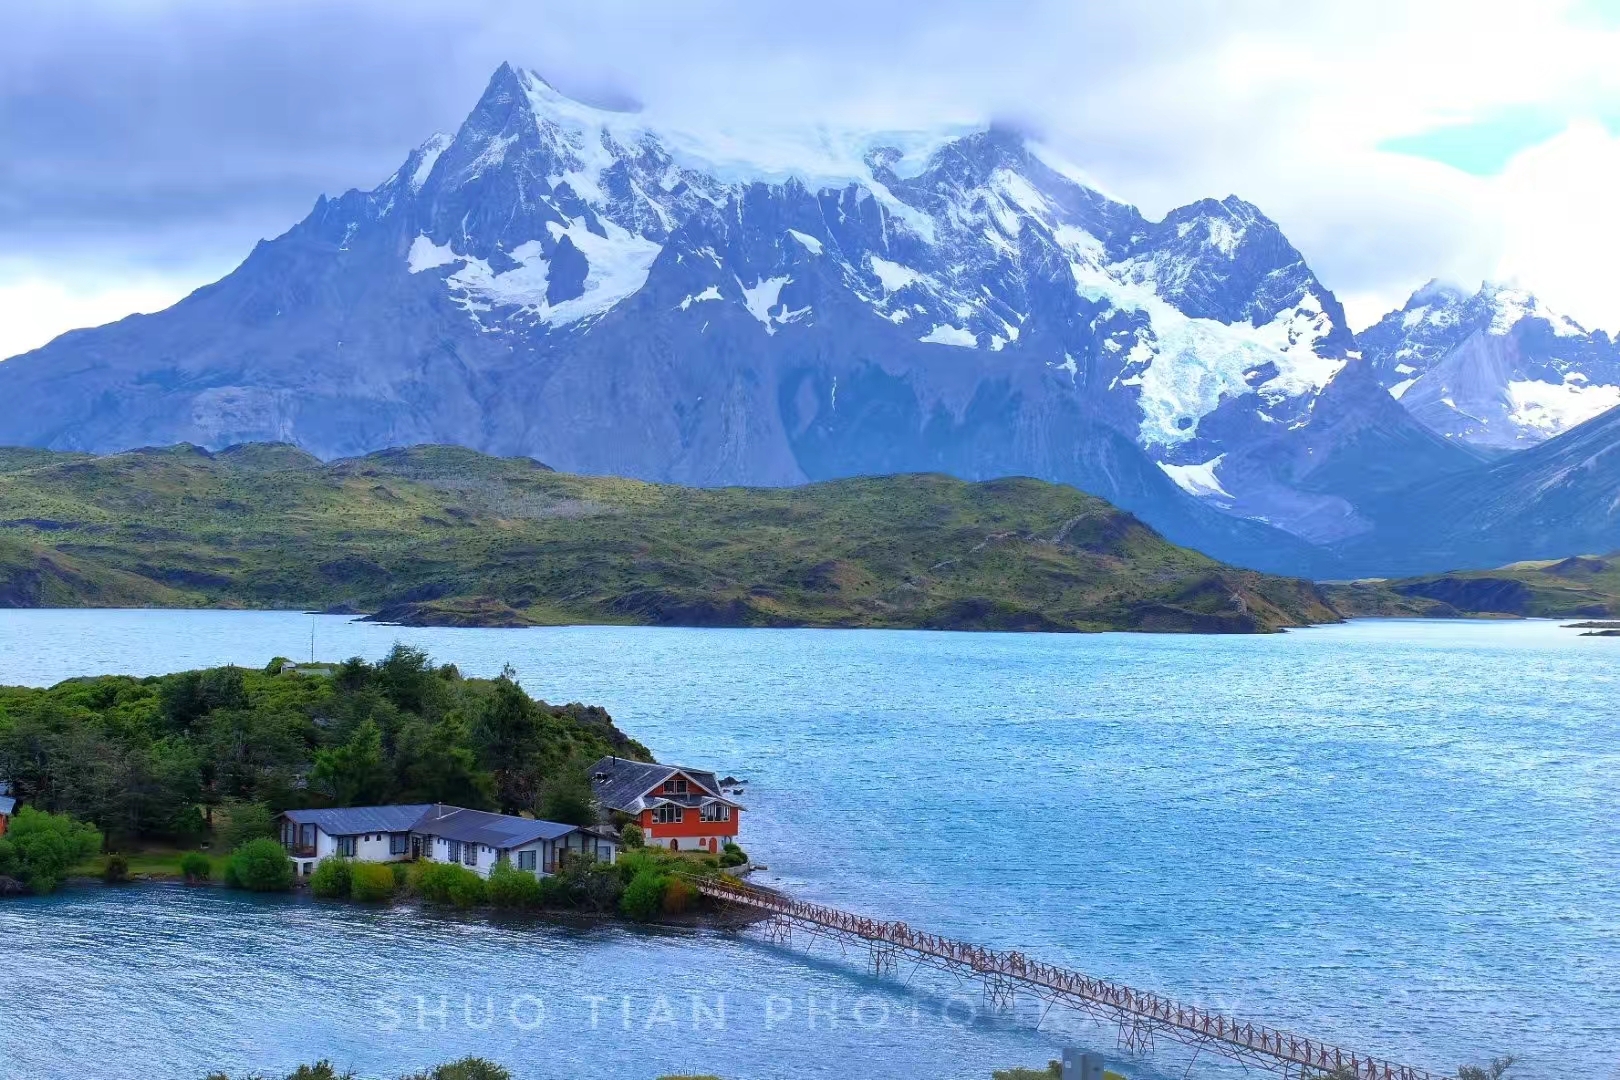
430 156
945 334
1223 237
1193 364
1552 408
1068 365
760 298
425 255
618 266
711 293
1197 480
1400 388
811 244
893 276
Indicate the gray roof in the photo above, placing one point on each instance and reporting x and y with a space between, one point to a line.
7 805
354 820
494 830
622 784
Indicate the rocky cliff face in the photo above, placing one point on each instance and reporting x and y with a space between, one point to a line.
612 295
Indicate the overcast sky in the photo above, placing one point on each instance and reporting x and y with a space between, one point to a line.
145 145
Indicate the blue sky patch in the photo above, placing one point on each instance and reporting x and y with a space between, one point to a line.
1480 147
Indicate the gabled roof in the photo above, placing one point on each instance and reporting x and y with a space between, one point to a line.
354 820
494 830
433 819
627 786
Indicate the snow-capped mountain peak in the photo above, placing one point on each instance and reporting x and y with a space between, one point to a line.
610 291
1496 368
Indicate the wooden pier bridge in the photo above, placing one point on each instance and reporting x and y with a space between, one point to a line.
1140 1016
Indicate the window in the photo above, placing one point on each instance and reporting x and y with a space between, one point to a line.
469 854
715 812
455 850
675 787
345 846
399 843
526 860
668 815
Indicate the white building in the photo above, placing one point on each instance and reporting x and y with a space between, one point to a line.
475 839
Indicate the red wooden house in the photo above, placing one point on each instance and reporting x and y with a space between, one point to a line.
678 808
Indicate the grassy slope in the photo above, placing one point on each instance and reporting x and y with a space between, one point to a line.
447 535
1580 586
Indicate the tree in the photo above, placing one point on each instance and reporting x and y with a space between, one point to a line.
506 730
354 774
40 847
436 763
247 821
1494 1071
566 796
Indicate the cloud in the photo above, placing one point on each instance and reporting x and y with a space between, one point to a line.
160 138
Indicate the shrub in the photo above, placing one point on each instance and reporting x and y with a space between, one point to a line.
116 872
260 866
40 847
632 835
196 867
644 896
732 855
678 896
512 889
468 890
332 879
371 883
402 875
447 883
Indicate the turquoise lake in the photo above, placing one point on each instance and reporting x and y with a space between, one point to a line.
1399 836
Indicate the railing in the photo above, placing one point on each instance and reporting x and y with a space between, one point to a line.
1124 1004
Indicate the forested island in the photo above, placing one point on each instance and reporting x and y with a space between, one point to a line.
447 536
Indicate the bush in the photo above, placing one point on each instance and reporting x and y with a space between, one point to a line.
632 836
470 890
678 896
644 896
40 848
332 879
116 872
196 867
447 883
732 855
402 875
371 883
513 889
466 1069
260 866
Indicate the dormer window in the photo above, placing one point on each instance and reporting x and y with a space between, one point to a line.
675 787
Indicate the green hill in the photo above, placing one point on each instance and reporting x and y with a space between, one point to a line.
447 536
1581 586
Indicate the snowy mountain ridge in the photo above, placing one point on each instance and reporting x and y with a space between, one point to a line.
1496 369
616 187
609 294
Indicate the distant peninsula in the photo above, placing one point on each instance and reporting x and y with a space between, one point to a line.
436 535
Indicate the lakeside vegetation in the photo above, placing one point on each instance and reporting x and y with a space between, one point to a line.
166 762
447 536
